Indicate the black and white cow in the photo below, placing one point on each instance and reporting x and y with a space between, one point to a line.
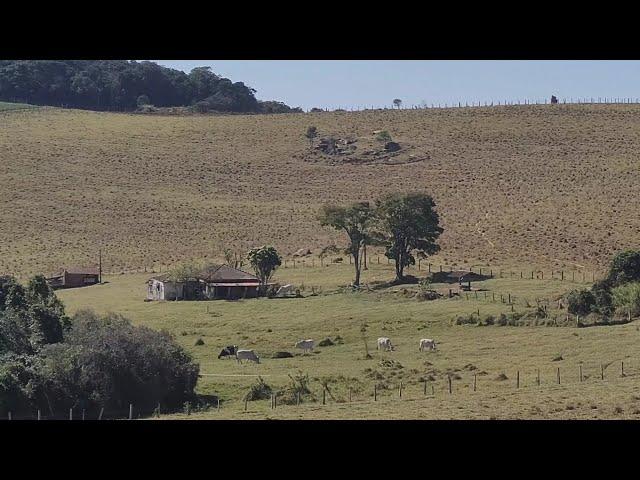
228 351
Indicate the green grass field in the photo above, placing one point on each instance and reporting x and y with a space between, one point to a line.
489 352
4 106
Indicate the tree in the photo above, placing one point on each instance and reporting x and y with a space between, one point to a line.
625 267
312 133
397 102
580 302
232 258
143 100
264 260
408 223
356 221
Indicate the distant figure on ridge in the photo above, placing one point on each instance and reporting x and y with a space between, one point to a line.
554 99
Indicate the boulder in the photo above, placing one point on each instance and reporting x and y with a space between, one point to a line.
302 252
391 147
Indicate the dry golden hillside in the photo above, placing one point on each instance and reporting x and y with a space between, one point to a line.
544 185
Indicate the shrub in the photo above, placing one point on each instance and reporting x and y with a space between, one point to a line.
325 343
106 361
199 342
627 297
603 298
580 302
501 320
383 137
259 391
298 388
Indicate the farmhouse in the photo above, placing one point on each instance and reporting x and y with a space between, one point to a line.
213 282
74 277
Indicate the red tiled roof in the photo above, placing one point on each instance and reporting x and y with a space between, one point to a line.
217 274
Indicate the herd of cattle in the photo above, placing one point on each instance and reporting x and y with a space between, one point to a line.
384 343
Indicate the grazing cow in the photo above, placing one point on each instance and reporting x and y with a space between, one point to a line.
305 345
427 344
228 351
384 343
247 355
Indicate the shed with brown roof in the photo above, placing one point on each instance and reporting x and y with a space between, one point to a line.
73 277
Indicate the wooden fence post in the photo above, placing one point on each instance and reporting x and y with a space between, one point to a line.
375 393
475 379
581 372
622 369
101 412
38 414
449 377
218 403
518 379
71 414
400 390
425 387
131 411
9 415
246 399
324 396
558 375
601 372
349 394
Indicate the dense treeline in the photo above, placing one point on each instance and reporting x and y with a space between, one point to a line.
125 86
53 363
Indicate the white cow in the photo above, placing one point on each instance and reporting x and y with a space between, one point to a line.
384 343
247 355
305 345
427 344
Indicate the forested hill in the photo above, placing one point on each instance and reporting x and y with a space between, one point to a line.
120 85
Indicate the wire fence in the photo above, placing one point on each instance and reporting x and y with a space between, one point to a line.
609 374
485 103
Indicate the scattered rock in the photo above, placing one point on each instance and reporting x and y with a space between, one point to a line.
326 343
302 252
392 147
557 359
502 377
283 355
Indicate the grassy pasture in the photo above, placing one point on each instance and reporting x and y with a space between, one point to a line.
270 325
554 186
7 106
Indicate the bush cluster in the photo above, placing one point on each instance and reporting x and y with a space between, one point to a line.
53 363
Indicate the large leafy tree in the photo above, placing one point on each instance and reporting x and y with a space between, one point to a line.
264 260
408 223
625 267
356 221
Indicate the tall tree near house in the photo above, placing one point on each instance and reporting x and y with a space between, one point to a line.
311 134
264 260
397 102
356 221
408 223
232 258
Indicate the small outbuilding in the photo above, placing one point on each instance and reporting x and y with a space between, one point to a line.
74 277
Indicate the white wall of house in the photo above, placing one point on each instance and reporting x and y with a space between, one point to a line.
157 290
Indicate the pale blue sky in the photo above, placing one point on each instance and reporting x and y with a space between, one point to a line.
357 83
